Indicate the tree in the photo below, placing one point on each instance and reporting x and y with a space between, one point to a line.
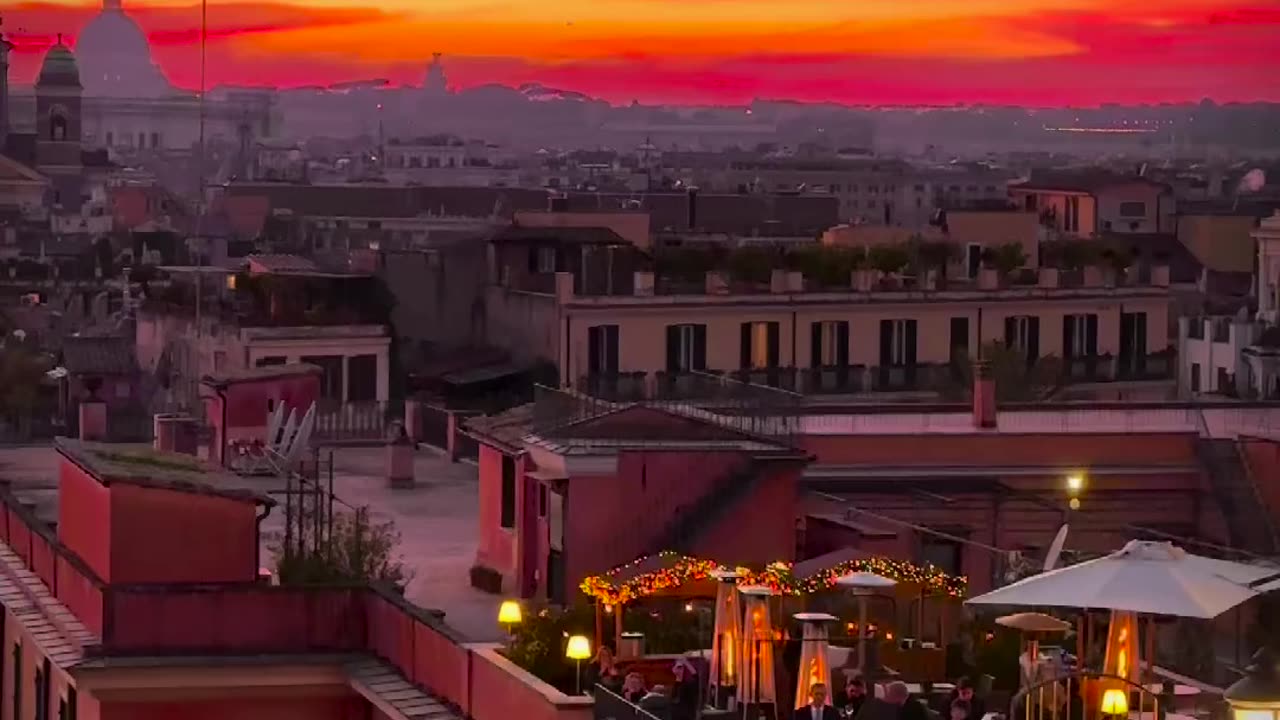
752 264
888 259
22 369
935 255
1005 258
355 550
827 266
1016 380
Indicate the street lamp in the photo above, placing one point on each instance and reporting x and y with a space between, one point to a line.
578 649
510 615
1256 696
864 585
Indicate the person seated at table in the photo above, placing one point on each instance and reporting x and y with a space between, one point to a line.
633 687
850 700
960 710
817 709
908 708
656 703
603 671
964 691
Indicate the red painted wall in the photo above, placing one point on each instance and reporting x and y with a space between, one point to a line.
497 545
166 536
613 520
1263 458
247 402
240 708
84 517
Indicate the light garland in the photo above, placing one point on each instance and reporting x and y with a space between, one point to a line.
776 576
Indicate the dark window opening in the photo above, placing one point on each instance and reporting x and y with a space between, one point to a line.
508 492
362 378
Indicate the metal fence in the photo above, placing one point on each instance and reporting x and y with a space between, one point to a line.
355 422
612 706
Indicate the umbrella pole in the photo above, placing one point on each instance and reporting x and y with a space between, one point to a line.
1080 639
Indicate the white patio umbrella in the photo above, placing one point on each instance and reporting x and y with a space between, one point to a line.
1155 578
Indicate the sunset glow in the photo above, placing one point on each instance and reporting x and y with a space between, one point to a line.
1042 52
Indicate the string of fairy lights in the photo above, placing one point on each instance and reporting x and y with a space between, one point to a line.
779 577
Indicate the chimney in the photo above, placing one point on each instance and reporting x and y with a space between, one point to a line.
693 208
984 395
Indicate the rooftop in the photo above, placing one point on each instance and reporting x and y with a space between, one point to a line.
99 355
1081 181
141 465
266 372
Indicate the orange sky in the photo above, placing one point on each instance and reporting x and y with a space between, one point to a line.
1044 52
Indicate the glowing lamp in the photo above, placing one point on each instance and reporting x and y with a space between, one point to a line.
509 613
579 648
1256 696
1075 483
1115 702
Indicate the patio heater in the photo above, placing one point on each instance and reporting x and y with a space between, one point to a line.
1256 696
757 691
815 667
864 585
725 640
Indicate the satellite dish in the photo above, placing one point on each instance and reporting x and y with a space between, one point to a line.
1055 549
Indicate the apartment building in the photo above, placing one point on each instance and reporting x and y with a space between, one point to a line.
1092 202
874 334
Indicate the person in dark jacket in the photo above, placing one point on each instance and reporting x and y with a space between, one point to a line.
817 709
685 691
964 692
850 700
909 708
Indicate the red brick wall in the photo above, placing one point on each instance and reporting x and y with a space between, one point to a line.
166 536
247 401
84 517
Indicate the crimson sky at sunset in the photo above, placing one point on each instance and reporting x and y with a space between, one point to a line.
1036 52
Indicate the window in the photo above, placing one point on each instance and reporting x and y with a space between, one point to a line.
111 141
269 361
1022 333
1080 335
941 553
1195 377
759 345
1133 209
44 683
155 140
897 343
972 260
546 260
1133 342
959 337
602 350
829 344
331 379
362 378
508 518
219 360
1071 219
686 348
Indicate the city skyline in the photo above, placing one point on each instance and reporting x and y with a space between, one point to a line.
1038 52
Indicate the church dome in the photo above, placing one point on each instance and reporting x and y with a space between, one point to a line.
59 68
117 57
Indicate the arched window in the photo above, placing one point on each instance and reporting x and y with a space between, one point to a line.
57 127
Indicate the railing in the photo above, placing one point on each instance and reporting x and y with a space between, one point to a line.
833 380
900 378
1156 366
354 422
616 387
1088 368
612 706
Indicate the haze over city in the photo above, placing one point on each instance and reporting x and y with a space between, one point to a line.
1035 52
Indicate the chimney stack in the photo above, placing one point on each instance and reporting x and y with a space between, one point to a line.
984 395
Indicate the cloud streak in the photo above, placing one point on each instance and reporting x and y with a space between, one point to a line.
1046 52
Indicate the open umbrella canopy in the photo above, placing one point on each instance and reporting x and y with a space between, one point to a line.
1155 578
1034 622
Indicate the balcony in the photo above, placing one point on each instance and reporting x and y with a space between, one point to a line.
834 380
909 378
1087 369
615 387
1154 366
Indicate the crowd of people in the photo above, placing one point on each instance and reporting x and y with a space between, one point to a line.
677 702
961 704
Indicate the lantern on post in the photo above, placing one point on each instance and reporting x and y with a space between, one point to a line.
1256 696
510 615
578 649
815 667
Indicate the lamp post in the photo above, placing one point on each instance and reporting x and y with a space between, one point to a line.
1256 696
578 649
509 616
864 585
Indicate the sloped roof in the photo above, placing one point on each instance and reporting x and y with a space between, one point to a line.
99 356
505 429
13 171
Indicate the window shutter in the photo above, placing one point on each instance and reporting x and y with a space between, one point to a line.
699 347
886 343
593 349
1033 339
815 345
1010 331
673 348
842 344
744 356
910 327
1091 335
1068 335
773 349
